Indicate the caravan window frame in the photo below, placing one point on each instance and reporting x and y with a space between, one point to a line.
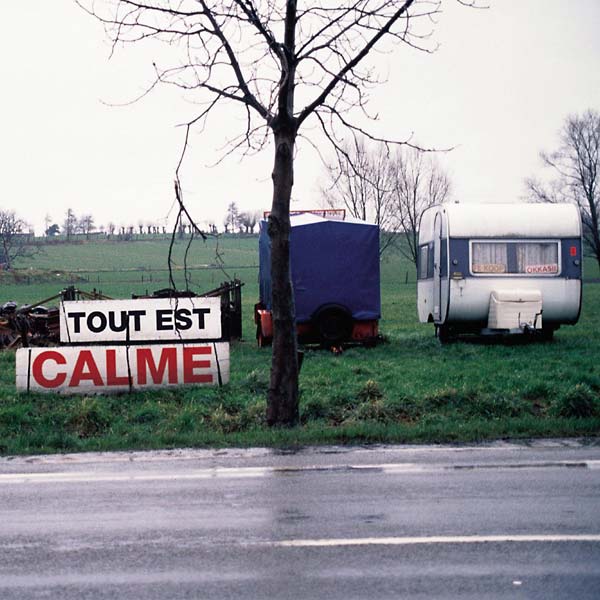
507 273
425 267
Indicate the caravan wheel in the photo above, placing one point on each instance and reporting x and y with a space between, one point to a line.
547 334
445 334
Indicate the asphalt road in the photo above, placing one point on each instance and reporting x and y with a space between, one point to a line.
501 521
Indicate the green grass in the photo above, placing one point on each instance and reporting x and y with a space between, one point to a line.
408 389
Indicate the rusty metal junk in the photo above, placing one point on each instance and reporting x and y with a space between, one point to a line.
38 325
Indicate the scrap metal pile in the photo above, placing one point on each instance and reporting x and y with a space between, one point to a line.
38 324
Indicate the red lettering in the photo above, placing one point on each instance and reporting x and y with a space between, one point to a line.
145 362
190 363
111 370
85 360
38 366
542 269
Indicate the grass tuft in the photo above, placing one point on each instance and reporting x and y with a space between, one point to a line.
89 418
578 402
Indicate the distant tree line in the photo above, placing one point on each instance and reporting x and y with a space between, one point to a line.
17 238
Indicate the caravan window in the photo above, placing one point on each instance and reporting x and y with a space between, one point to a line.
422 271
515 258
488 257
536 258
425 270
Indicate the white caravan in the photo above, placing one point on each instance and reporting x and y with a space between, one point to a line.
499 268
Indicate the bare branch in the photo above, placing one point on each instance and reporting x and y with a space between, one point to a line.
320 99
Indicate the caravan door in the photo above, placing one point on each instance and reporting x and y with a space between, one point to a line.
437 268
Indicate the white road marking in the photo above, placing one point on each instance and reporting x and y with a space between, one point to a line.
86 477
256 472
449 539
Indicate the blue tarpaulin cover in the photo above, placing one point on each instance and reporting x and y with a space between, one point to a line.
332 262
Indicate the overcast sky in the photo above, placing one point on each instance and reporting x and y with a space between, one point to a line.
498 90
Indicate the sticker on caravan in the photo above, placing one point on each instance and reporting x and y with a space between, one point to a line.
489 268
546 269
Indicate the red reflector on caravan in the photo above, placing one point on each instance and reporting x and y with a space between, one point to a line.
573 250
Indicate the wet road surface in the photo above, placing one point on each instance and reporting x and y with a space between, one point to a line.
502 521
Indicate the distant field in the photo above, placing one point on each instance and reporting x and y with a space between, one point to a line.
122 268
143 254
408 389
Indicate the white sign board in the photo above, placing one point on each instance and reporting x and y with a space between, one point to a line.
156 319
106 369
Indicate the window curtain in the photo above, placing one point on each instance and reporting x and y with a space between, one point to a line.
490 257
536 255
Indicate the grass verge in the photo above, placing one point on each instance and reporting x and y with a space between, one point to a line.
358 397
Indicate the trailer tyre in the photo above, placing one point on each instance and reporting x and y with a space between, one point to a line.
445 334
334 325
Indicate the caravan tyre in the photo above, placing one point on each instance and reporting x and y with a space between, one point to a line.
445 334
547 334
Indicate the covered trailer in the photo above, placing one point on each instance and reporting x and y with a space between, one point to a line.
335 275
499 268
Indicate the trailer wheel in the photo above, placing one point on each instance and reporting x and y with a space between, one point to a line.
334 326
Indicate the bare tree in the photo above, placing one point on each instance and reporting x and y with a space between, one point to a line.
247 221
47 222
16 242
576 169
286 67
388 188
70 224
360 180
231 218
418 183
86 225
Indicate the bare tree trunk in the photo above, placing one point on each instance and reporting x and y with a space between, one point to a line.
282 403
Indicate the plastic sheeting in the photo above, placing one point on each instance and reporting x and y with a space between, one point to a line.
332 262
